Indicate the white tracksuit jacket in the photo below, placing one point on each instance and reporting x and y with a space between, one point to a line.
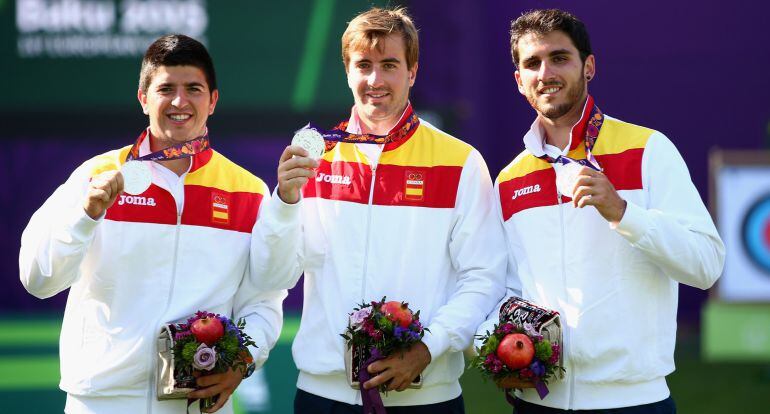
616 288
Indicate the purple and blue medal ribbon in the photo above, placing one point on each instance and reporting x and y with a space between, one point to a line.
595 122
181 150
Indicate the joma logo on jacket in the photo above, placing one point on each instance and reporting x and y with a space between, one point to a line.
526 190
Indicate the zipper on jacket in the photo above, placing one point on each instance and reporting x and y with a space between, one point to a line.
566 350
168 304
366 233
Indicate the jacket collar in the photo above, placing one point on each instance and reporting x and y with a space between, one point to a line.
534 139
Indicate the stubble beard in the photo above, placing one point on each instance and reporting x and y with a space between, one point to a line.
388 110
574 94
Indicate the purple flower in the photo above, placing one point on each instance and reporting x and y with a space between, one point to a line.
357 318
537 368
368 327
493 364
398 331
555 354
507 328
416 325
181 335
205 358
376 335
529 329
554 359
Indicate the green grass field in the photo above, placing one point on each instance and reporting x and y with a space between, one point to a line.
29 374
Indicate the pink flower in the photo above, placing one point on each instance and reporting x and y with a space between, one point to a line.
358 317
205 358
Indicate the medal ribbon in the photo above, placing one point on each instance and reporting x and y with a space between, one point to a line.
181 150
595 122
338 133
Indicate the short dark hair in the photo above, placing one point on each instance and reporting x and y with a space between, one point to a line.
546 21
176 50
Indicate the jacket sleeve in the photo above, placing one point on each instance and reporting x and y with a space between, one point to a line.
474 249
674 229
276 245
512 280
263 312
57 239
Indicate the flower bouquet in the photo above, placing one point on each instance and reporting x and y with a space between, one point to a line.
208 343
375 331
523 350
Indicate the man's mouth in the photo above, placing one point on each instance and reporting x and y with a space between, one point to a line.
377 95
179 117
550 89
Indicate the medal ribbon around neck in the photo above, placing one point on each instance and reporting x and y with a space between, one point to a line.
338 134
137 177
595 122
177 151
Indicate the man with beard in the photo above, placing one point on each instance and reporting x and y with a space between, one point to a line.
602 223
405 213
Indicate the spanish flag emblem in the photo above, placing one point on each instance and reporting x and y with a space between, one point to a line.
220 206
415 185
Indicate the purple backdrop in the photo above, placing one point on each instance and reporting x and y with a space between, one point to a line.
694 70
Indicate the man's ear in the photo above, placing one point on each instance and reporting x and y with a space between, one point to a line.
214 100
413 75
142 97
517 76
589 67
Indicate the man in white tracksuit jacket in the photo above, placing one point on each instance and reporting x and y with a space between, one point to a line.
133 263
410 219
607 249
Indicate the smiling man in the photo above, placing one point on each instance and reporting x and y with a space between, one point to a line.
602 223
189 236
406 214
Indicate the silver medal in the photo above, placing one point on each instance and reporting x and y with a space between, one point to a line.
311 140
566 176
137 177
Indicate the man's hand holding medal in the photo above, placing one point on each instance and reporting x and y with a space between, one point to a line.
593 188
298 163
102 192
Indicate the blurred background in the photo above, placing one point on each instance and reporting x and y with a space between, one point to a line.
695 70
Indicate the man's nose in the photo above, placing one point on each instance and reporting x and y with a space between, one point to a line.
375 79
180 100
546 72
